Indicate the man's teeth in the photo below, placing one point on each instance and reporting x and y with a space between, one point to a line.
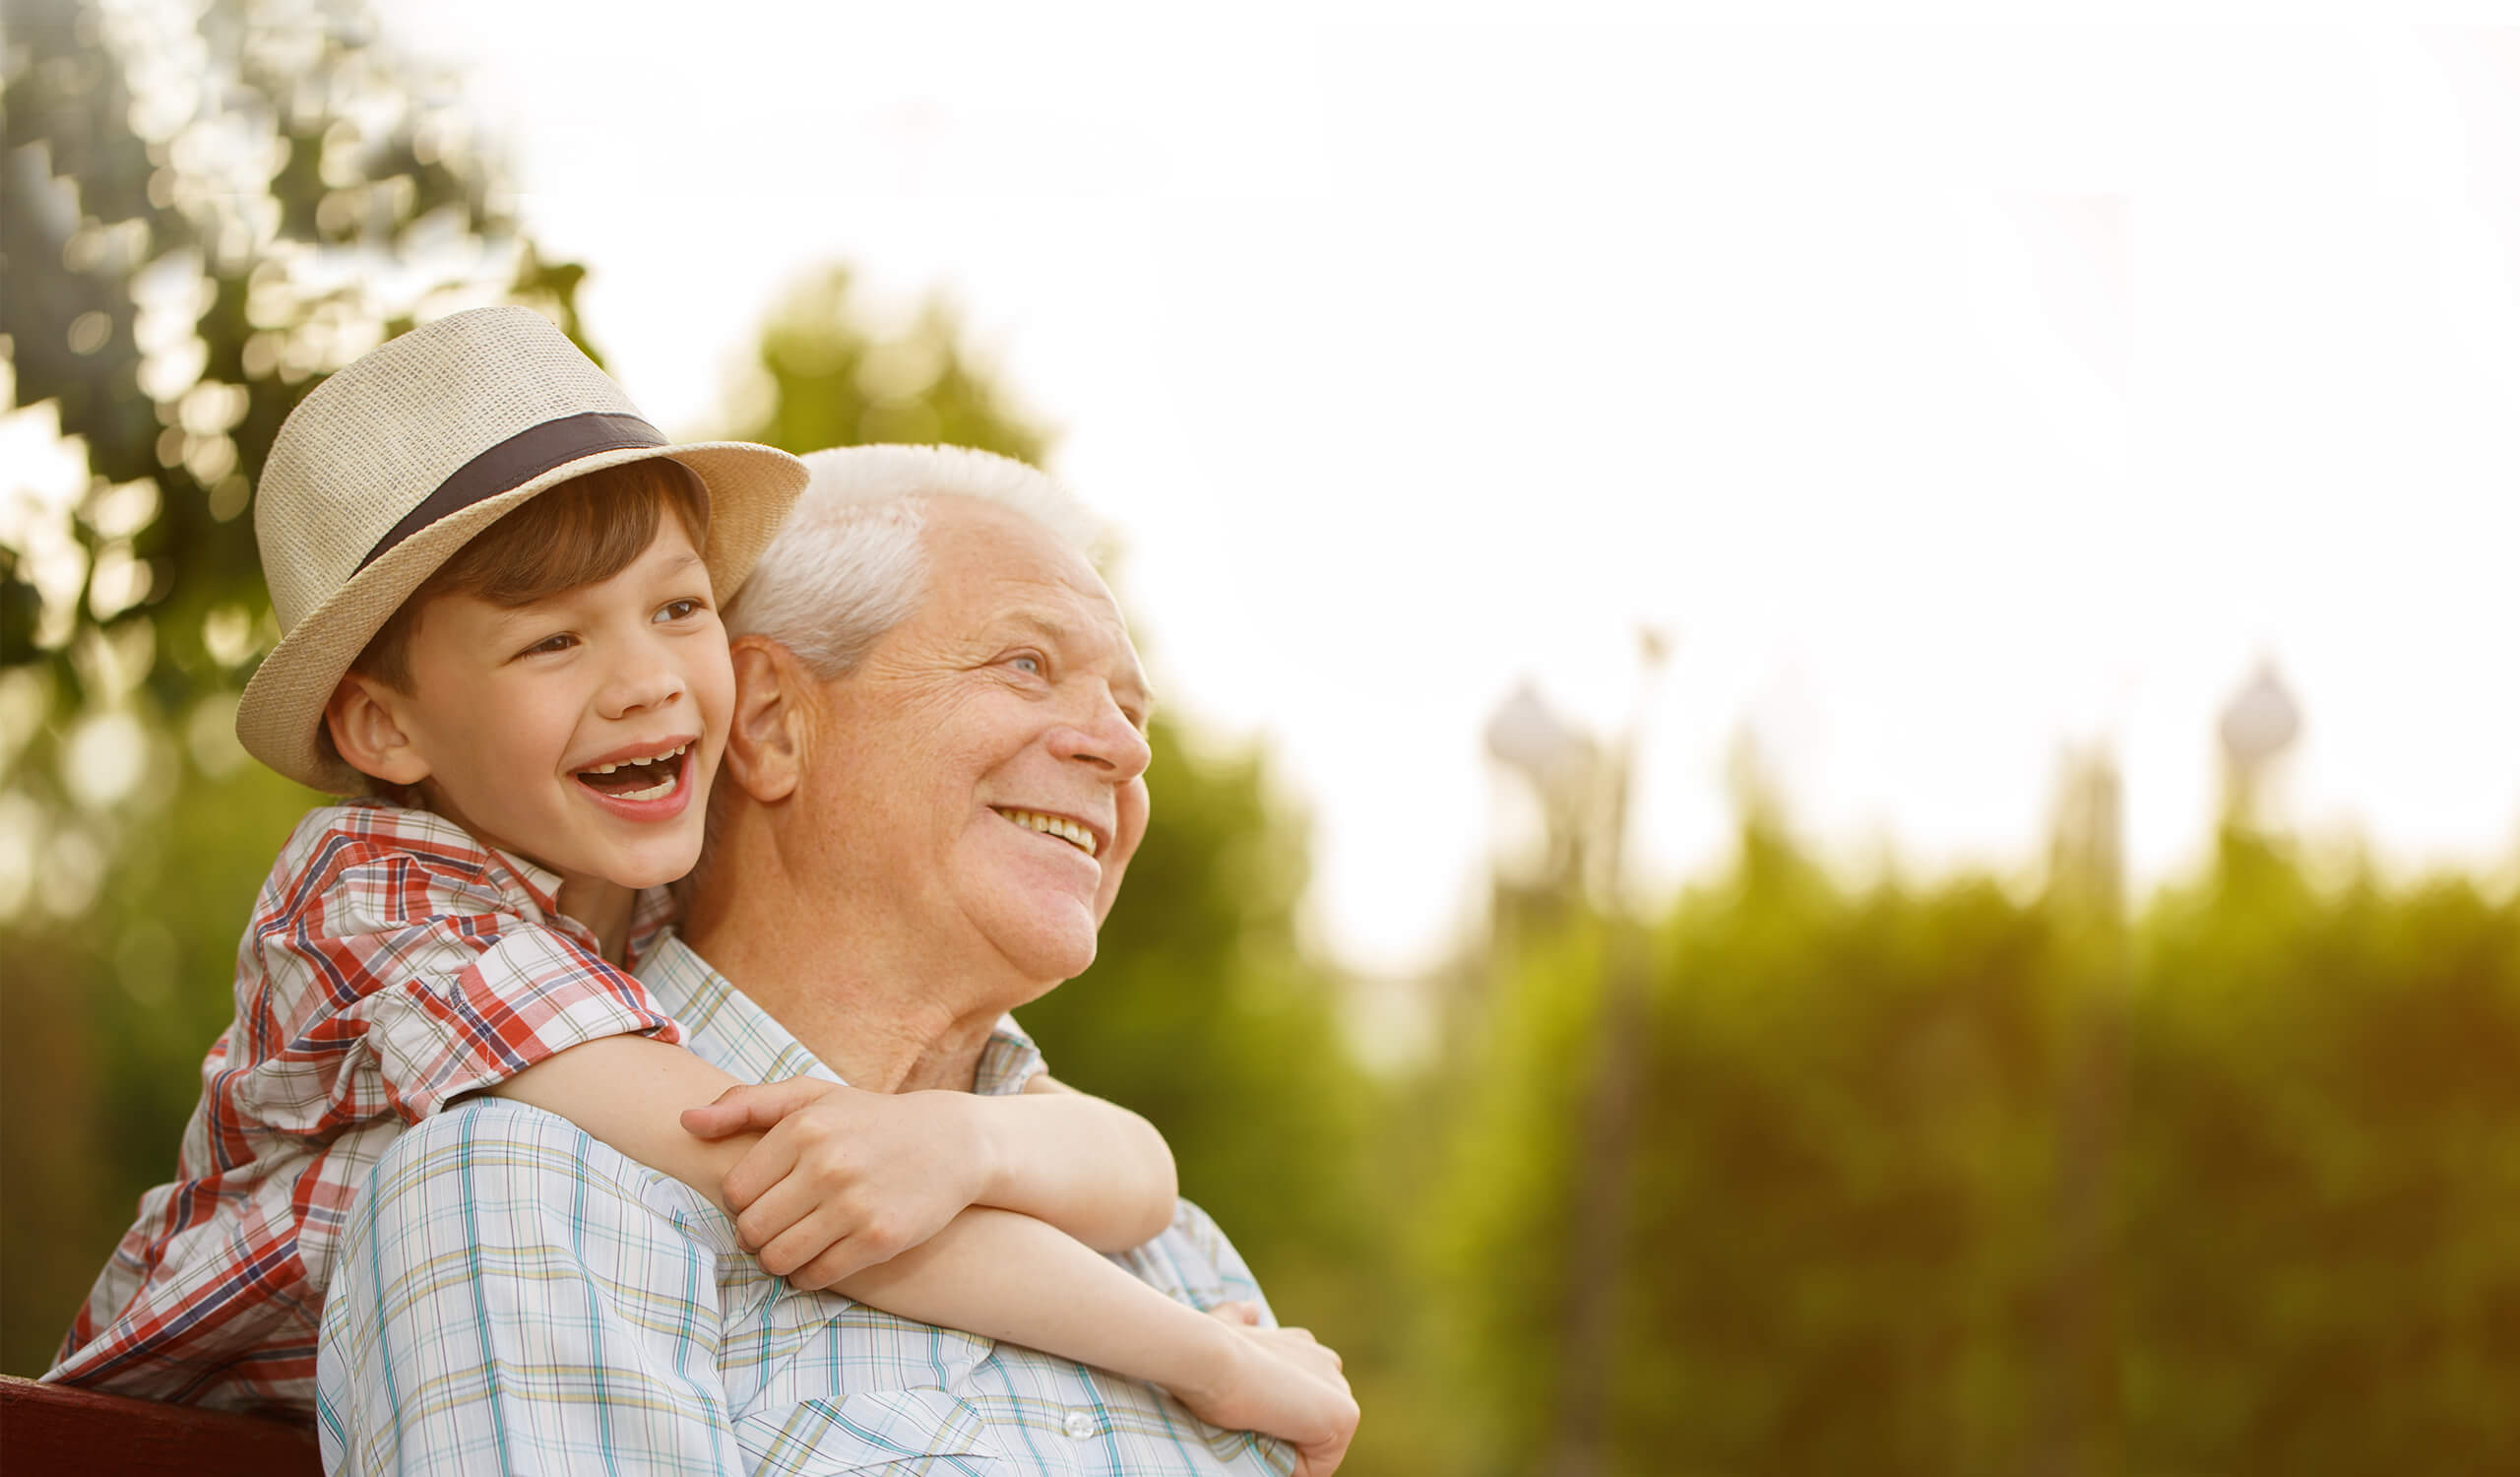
674 752
1054 825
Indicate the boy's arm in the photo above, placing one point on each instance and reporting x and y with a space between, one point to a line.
1008 1276
1092 1169
627 1090
1079 1163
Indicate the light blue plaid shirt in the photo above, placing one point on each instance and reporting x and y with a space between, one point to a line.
514 1296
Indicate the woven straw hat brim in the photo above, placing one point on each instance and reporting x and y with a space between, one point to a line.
281 714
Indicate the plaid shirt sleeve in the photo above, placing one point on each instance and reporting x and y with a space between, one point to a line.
400 970
393 964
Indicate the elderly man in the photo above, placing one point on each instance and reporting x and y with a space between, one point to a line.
930 677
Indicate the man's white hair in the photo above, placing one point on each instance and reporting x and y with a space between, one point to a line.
848 565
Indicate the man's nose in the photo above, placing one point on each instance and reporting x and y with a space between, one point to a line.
1107 738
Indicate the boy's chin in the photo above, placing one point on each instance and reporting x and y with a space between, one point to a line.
659 873
654 868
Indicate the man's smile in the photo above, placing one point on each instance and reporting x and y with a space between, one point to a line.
1075 833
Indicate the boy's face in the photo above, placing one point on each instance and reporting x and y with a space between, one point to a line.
514 711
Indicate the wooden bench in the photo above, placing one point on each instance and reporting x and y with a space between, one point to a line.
50 1428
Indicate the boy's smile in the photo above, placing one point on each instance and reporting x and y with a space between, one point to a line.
636 777
578 731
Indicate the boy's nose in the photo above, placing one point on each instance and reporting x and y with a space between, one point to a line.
641 686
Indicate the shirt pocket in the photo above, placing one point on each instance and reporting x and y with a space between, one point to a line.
882 1433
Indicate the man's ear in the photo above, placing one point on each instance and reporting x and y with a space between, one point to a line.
767 741
362 719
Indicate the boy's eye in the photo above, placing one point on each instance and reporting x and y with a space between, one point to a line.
561 642
678 610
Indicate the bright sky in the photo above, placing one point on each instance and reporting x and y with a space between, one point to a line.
1950 395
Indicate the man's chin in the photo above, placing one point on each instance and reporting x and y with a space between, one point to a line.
1047 953
1050 968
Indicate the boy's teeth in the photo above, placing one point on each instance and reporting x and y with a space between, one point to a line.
674 752
652 791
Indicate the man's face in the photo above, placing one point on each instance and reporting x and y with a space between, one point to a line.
983 772
517 710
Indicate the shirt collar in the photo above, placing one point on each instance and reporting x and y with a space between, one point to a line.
535 889
650 910
541 883
724 1025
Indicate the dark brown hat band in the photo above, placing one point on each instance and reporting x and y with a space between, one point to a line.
519 460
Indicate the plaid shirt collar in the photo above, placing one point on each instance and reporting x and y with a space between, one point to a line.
738 1037
534 889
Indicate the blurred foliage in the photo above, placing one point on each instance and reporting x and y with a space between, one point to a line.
205 207
825 377
1937 1181
1933 1178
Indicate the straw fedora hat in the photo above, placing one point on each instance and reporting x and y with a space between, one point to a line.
387 468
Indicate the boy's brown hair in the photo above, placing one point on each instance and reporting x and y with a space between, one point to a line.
583 532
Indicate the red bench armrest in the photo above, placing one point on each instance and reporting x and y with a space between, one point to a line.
52 1428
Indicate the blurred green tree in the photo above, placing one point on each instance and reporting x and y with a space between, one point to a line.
1875 1227
204 208
825 375
2317 1258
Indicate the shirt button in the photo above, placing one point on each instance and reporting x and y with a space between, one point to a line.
1080 1424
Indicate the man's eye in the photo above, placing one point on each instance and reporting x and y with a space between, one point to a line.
678 610
1025 660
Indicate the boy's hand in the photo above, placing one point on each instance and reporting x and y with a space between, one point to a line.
1282 1382
843 1178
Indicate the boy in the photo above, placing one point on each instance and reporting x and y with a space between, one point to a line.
497 589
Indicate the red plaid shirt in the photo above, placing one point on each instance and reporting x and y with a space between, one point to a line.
394 963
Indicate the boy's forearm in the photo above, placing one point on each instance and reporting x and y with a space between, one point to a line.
1092 1169
629 1091
1008 1276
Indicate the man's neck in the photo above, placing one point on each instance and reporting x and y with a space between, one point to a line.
870 1007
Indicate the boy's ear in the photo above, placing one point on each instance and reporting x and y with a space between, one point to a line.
767 741
362 719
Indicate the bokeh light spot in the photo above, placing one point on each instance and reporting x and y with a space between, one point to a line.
105 759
